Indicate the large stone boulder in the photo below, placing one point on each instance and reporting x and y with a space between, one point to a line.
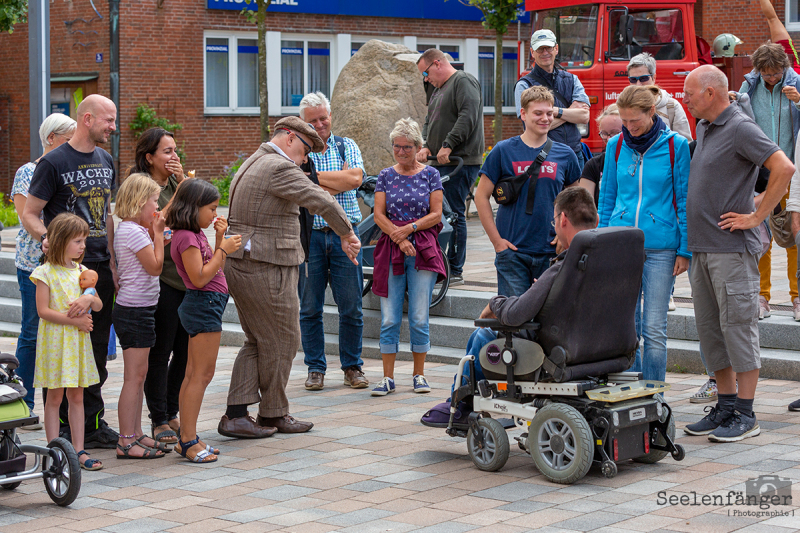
378 86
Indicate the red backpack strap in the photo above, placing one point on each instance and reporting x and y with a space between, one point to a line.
619 147
672 152
672 171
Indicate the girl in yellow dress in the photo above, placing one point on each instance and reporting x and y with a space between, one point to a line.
64 357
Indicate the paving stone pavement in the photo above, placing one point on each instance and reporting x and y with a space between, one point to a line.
370 466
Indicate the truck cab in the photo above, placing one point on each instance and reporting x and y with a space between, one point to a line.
596 41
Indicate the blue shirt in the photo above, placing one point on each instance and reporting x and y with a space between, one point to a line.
531 234
331 161
408 197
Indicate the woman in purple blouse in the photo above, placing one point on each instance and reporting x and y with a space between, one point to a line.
408 209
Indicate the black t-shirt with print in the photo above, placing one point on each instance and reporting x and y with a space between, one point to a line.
80 183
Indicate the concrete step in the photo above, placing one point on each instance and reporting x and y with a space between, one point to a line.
448 332
9 286
684 356
371 350
7 265
779 331
456 303
11 309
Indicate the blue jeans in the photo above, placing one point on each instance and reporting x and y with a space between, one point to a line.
420 285
327 261
26 344
456 190
516 271
651 319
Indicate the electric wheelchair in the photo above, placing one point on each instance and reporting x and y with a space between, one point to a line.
562 377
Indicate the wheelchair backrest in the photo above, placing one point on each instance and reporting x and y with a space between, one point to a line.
590 311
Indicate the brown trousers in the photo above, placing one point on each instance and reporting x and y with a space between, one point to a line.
269 312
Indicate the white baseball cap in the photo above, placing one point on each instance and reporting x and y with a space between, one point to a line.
543 38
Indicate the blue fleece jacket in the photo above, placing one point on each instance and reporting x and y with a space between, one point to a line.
643 192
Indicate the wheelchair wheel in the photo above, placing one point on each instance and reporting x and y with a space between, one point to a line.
560 442
494 454
65 483
656 455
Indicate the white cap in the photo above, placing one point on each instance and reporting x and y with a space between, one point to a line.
543 38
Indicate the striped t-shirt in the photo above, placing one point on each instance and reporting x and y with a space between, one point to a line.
137 288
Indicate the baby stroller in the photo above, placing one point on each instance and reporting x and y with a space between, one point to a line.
60 468
370 233
567 388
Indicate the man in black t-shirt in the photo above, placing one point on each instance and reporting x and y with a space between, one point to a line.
78 177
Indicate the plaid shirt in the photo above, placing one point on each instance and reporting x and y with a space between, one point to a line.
330 161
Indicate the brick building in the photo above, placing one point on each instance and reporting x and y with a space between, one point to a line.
194 61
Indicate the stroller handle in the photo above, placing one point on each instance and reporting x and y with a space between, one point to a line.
459 163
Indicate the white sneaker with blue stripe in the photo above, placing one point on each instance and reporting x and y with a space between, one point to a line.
421 384
385 386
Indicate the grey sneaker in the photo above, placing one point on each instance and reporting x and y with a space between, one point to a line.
738 427
707 393
709 423
763 308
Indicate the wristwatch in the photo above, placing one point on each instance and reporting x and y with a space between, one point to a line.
414 227
560 112
446 145
43 237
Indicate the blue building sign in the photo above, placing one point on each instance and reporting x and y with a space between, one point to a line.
416 9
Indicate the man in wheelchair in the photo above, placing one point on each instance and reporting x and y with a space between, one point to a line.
562 377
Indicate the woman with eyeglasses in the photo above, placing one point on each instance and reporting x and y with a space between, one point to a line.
408 210
609 125
645 179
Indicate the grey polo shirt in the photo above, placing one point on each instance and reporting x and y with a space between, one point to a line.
723 175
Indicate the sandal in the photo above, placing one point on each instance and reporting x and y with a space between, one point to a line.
160 446
149 453
89 464
209 448
167 436
203 456
175 427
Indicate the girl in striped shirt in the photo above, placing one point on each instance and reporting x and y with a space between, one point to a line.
139 261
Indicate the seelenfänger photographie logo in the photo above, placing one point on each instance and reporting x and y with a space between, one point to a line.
768 493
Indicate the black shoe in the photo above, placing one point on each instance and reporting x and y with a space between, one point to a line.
794 406
102 437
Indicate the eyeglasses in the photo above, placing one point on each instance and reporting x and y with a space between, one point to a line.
425 72
608 134
402 147
772 76
553 222
305 152
637 158
640 79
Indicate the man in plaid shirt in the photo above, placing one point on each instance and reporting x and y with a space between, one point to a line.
340 176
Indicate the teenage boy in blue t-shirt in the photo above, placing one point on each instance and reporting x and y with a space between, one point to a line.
525 243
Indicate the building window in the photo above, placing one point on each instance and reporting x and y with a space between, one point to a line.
793 15
453 49
231 74
305 68
486 66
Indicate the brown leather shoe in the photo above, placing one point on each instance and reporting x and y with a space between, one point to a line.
244 428
355 379
285 424
315 381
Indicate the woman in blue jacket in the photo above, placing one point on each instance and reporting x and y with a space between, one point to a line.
645 179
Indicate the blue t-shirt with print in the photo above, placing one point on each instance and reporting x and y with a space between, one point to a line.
408 197
531 234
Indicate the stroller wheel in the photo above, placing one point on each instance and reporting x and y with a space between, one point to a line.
63 480
494 453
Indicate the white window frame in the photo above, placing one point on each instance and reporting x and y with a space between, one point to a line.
445 42
233 72
790 26
361 39
306 37
489 109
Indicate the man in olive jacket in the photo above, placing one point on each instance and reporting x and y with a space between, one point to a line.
265 200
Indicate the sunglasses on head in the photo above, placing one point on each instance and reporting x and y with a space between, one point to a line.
640 79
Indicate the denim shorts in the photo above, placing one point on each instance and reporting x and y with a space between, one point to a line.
135 326
201 311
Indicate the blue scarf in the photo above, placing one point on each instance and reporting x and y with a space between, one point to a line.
643 142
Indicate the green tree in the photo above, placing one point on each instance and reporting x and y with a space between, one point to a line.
12 12
259 18
497 16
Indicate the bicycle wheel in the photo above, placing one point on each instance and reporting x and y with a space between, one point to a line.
439 290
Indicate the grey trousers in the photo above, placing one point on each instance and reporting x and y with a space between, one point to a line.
725 294
269 312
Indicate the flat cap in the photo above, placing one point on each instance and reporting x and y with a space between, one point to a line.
297 125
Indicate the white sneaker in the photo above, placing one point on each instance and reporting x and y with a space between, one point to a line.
707 393
672 304
763 308
796 309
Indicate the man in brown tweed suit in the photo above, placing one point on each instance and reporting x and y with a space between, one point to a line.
262 275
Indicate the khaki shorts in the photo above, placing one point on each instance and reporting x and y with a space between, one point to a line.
725 294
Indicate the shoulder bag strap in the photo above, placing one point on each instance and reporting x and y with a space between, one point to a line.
533 174
339 142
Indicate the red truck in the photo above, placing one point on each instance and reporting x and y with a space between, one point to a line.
596 41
